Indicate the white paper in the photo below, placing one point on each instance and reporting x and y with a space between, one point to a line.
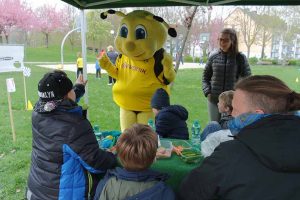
26 71
10 84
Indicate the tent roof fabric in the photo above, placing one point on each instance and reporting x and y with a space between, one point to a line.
97 4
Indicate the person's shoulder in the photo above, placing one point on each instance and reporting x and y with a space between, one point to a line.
241 55
214 54
230 149
164 114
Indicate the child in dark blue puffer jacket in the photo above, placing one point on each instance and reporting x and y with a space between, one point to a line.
170 120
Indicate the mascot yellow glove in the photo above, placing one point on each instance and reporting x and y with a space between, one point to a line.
168 69
105 63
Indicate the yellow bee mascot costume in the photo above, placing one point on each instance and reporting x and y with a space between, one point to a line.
142 67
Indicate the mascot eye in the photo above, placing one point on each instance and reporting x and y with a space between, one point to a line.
124 31
140 32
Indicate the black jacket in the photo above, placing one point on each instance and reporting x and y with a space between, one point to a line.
263 162
222 71
64 148
170 122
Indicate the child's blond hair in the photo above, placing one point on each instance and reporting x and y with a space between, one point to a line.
137 147
227 97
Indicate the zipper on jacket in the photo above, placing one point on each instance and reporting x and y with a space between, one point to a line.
224 72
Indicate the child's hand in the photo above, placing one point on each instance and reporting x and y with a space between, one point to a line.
80 80
113 150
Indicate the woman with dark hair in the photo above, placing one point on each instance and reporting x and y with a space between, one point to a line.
223 68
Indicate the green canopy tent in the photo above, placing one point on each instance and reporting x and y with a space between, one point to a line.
100 4
94 4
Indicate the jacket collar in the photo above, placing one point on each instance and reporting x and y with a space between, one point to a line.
139 176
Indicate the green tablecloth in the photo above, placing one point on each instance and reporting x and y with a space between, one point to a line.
175 167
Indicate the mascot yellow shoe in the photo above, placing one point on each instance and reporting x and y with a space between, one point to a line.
143 65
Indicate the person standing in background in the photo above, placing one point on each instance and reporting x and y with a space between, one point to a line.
79 64
112 55
98 68
223 69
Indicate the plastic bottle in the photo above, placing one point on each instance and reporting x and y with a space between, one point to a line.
97 132
96 128
152 125
196 130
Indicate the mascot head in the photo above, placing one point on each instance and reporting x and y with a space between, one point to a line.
140 33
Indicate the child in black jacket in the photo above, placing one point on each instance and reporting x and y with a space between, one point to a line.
64 147
170 120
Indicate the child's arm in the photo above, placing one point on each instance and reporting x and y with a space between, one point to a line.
162 126
79 87
84 148
206 78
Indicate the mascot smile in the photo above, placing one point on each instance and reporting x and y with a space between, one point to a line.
143 65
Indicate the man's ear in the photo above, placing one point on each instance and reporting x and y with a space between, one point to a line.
227 109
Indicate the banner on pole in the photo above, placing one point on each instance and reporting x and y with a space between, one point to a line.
10 84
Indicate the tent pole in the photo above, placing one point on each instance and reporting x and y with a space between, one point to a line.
83 46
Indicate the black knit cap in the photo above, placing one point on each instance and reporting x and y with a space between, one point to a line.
160 99
54 86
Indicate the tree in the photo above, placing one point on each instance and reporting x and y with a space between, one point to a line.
291 33
49 19
215 28
69 15
271 24
248 26
167 13
191 11
200 25
98 30
14 14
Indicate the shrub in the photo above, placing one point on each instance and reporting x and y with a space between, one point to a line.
196 59
267 61
294 62
188 59
253 61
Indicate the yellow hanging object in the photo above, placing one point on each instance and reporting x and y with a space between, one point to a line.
29 105
297 80
60 66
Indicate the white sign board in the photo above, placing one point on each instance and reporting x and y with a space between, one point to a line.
10 84
11 55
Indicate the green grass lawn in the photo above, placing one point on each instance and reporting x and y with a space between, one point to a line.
52 54
15 158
